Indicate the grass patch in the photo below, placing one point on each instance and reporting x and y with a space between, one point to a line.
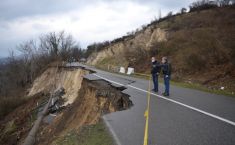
9 129
203 88
88 135
192 86
33 117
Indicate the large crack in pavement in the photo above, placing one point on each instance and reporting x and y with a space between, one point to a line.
95 99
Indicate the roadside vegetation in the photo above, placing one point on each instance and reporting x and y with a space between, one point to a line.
17 73
200 45
96 134
188 84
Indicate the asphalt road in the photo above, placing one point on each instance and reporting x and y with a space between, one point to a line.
187 117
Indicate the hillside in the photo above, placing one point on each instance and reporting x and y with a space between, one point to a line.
200 46
78 110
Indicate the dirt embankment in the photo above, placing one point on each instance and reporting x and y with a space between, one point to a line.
116 53
95 98
85 102
200 46
68 78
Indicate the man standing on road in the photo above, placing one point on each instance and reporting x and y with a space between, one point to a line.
156 68
166 70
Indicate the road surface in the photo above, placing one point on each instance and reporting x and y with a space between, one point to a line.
187 117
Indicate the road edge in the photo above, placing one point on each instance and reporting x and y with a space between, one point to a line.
111 131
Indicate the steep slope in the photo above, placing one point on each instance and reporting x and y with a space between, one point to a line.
200 46
117 53
83 104
94 99
68 78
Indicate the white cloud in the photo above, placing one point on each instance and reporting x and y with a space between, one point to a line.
98 21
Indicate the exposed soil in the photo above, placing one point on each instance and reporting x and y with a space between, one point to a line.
68 78
94 99
84 103
200 46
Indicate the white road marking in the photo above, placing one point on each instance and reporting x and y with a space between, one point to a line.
173 101
112 131
109 80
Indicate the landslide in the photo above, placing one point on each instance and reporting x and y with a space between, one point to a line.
68 78
83 103
94 99
15 126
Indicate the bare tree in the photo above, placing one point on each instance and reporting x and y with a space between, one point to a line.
20 71
202 5
169 14
66 46
57 44
225 2
183 10
29 50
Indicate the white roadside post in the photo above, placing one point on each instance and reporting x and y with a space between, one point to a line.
122 70
130 70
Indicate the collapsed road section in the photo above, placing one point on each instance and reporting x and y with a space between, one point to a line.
83 102
94 99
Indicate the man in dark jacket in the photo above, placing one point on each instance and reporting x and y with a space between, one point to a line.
156 68
166 70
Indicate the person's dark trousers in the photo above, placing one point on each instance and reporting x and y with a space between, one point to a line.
155 82
167 85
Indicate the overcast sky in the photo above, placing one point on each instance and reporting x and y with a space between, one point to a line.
87 20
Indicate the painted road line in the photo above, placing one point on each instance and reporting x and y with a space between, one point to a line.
109 80
146 114
112 131
189 107
176 102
